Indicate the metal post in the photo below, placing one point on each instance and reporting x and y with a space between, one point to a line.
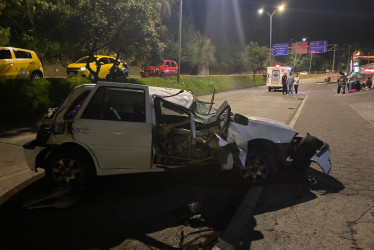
333 61
349 56
271 32
180 40
310 64
271 29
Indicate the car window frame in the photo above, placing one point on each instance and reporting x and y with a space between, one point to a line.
103 104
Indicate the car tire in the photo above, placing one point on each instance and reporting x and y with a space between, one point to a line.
269 89
260 168
306 149
69 169
36 75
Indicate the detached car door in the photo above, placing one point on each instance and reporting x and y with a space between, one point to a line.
115 124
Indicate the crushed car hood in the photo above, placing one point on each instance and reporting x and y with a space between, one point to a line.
264 128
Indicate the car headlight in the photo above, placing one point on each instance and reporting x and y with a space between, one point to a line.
83 68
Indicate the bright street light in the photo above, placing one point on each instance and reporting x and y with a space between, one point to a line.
304 39
260 11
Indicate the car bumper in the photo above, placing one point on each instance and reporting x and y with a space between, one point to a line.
31 151
323 158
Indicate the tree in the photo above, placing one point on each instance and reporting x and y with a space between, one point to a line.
129 27
257 57
4 31
296 61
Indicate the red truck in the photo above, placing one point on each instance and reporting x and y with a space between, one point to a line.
168 68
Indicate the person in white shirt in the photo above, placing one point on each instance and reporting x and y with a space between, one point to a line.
296 83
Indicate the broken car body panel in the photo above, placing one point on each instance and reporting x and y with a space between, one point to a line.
130 128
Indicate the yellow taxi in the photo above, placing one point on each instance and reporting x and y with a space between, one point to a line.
16 63
79 67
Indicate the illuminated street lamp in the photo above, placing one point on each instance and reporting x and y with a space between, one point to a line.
261 11
304 39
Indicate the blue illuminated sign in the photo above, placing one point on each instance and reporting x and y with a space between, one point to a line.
280 49
318 47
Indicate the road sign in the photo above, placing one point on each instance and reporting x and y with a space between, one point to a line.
318 47
299 48
280 49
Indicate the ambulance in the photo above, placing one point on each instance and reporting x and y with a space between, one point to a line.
274 76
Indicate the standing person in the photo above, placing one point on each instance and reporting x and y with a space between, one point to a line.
296 83
352 80
284 83
290 82
341 83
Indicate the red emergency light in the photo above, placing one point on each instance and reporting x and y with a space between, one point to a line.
277 65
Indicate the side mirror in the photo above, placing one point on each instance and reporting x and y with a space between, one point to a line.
241 119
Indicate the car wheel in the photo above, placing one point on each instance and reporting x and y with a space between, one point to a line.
36 75
269 89
306 149
69 169
162 75
259 169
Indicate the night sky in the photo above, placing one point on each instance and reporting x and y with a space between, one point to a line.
229 22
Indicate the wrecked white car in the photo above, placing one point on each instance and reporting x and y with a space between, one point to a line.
118 128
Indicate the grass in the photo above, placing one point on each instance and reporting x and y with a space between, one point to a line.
202 84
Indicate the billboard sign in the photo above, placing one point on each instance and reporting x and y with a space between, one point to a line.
299 48
318 47
280 49
368 71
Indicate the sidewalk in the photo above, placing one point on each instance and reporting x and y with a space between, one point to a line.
14 172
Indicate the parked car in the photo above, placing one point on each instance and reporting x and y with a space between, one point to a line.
168 68
117 128
304 73
16 63
79 67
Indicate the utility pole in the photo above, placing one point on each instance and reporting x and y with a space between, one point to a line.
310 63
333 61
349 56
271 31
180 40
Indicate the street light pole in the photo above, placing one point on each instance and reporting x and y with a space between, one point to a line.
260 11
271 32
180 41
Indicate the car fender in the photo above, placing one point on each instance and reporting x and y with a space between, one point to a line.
258 128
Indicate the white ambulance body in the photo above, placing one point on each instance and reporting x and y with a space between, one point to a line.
274 77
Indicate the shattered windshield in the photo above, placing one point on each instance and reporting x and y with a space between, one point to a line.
203 110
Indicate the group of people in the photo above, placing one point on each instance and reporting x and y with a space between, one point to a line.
289 82
354 84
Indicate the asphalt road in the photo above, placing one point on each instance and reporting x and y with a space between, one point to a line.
189 209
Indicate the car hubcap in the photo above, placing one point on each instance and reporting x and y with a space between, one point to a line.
66 171
255 170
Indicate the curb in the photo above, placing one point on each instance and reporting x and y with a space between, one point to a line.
18 188
234 230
